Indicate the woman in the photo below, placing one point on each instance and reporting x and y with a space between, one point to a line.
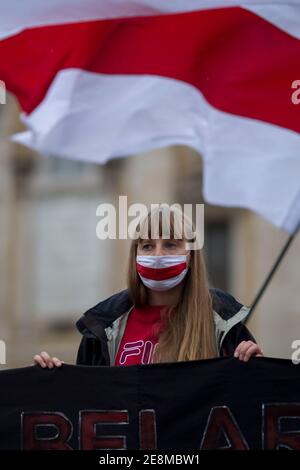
168 313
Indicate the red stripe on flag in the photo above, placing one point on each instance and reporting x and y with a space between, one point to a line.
161 273
242 64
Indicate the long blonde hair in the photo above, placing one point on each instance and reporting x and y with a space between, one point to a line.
189 330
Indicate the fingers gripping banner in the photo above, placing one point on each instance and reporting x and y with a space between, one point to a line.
214 404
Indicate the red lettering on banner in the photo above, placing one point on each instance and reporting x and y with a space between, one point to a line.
53 430
148 438
273 435
89 440
222 423
33 421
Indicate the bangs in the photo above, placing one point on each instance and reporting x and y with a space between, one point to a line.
166 222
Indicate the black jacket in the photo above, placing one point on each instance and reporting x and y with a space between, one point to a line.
102 327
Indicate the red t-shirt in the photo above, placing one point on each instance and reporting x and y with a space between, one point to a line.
140 336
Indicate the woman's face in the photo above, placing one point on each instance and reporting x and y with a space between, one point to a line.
161 247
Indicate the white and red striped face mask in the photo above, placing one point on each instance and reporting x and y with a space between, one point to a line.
161 273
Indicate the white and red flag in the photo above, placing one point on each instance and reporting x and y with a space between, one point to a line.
98 79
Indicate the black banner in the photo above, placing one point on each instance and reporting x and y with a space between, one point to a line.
214 404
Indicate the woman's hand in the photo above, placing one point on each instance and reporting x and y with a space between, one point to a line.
44 360
246 349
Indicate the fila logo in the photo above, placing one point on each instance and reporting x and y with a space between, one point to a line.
135 348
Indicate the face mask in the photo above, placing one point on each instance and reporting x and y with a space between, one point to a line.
161 273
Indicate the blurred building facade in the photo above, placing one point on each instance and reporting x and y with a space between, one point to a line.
53 267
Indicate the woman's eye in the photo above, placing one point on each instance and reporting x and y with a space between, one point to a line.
171 245
147 246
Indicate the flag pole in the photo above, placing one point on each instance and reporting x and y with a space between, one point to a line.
271 273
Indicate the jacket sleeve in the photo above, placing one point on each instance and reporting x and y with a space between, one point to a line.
89 352
234 337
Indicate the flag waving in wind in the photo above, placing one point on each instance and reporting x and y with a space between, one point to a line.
108 78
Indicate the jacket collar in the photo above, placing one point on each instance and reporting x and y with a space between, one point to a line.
227 312
102 315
